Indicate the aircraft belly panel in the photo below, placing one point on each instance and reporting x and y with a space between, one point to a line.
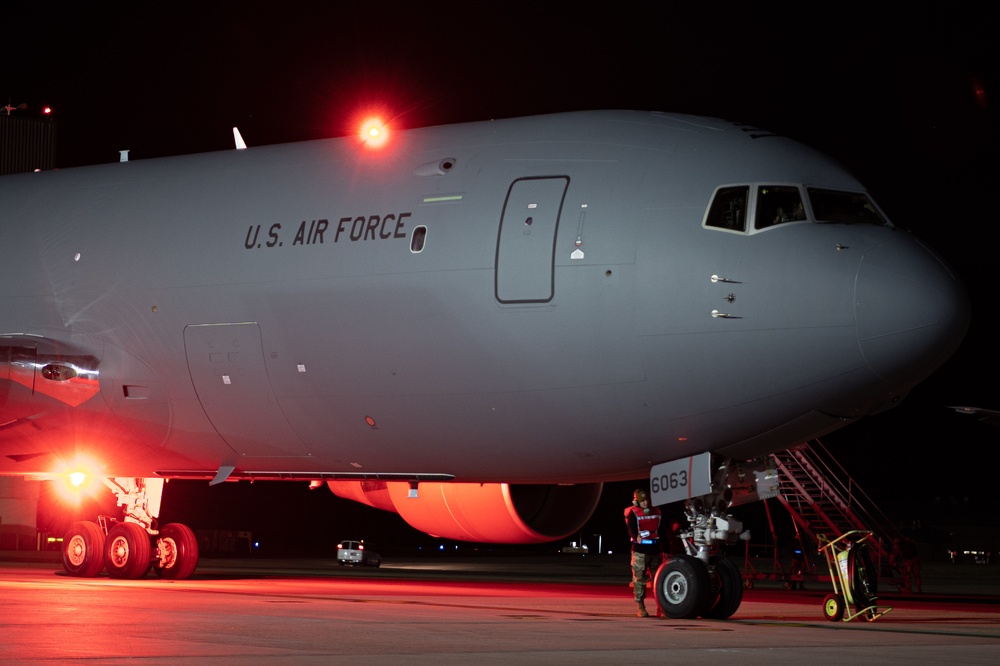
584 431
227 368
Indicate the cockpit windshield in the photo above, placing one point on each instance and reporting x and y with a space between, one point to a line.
728 209
734 207
844 207
777 204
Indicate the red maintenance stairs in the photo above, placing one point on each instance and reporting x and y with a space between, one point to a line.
824 502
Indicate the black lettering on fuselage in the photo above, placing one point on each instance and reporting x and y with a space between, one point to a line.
399 233
372 226
362 228
312 235
251 244
321 226
340 228
358 228
382 233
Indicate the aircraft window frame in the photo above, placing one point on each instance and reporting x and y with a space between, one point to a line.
418 239
786 204
714 218
716 215
861 201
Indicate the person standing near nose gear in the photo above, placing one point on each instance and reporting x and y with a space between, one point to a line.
643 522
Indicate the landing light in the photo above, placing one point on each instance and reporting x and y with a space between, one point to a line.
73 479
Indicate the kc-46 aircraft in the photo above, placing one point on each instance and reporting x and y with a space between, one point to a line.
473 325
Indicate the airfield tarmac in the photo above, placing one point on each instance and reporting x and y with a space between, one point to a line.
487 611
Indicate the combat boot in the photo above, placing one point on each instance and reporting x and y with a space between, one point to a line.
642 609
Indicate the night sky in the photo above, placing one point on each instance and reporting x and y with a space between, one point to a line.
906 98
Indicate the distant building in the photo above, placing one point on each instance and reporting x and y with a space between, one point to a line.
18 511
26 144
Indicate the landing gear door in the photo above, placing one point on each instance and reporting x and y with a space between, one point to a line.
526 241
681 479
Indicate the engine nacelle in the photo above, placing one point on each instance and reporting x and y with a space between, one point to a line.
482 512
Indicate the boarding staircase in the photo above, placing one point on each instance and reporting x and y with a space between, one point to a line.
823 499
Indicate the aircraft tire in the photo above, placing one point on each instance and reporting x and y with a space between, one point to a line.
730 589
682 587
180 550
864 578
127 551
833 608
83 550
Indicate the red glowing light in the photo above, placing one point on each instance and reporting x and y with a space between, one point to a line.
374 132
74 479
979 90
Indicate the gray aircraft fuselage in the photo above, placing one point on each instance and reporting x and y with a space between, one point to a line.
534 300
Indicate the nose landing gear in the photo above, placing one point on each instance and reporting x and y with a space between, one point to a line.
701 582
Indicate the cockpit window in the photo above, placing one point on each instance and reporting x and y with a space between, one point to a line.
844 207
777 204
729 208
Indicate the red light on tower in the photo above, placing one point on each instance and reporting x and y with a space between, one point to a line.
47 110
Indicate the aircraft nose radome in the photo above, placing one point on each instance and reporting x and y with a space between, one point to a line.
911 311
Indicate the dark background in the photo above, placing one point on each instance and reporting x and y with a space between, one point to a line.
904 97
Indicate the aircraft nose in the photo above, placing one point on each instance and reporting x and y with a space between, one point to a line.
911 311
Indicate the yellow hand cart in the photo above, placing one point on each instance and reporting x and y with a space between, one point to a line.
855 580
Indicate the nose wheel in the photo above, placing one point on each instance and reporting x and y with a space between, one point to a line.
682 587
728 587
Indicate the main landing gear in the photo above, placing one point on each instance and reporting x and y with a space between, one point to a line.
129 548
701 582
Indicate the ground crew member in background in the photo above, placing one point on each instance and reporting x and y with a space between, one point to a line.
906 557
643 522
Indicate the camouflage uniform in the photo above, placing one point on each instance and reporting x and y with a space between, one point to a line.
643 524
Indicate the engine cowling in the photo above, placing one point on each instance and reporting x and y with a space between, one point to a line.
482 512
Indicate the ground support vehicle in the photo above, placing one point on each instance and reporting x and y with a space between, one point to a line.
353 552
854 578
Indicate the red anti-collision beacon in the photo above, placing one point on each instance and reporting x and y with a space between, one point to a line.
374 133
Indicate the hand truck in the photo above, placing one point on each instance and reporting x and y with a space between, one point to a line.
855 580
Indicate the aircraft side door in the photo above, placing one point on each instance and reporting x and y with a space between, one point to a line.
526 240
